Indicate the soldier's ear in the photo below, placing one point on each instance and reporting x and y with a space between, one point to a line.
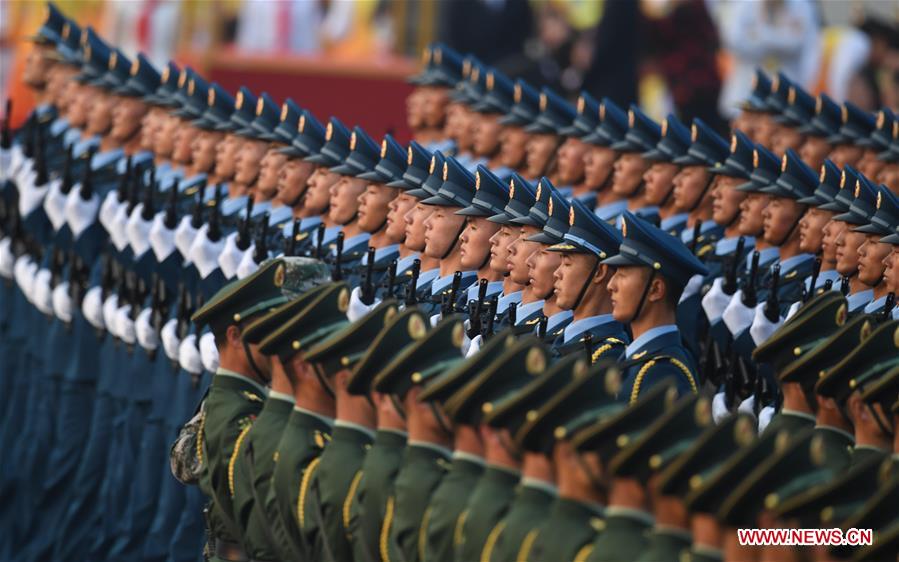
233 337
603 275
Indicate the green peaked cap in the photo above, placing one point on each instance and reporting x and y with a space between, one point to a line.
319 319
399 332
513 411
438 350
610 435
344 348
591 395
263 326
444 386
273 284
508 372
815 321
707 454
666 439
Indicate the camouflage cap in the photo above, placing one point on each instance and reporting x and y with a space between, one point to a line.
276 282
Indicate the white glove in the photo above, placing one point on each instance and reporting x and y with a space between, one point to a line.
41 294
31 197
170 340
715 301
92 307
231 256
737 317
55 204
118 228
474 346
357 309
719 408
15 157
109 209
189 356
185 234
25 269
435 319
747 406
762 328
80 214
209 353
793 309
143 330
204 253
110 308
137 231
125 325
62 302
7 259
693 286
162 239
765 416
248 265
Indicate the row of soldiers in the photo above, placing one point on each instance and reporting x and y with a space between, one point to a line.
449 357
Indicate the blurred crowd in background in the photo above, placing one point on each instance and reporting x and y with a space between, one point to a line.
694 57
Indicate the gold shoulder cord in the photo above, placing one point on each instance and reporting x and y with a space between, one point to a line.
385 530
423 533
304 487
234 455
348 501
491 541
635 392
599 351
200 443
460 523
526 545
583 553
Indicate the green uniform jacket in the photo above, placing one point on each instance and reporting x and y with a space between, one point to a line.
568 531
332 485
252 478
231 407
793 422
487 504
422 470
447 503
518 530
837 446
861 453
624 537
666 544
375 486
302 442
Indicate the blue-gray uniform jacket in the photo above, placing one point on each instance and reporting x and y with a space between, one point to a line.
654 356
608 338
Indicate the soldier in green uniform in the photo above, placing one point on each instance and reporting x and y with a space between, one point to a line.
662 443
450 498
514 535
702 459
237 392
309 425
337 476
427 454
626 520
255 454
576 515
511 369
368 507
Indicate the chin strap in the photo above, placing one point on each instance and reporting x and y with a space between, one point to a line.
510 449
440 419
354 217
253 365
323 380
881 423
792 228
586 285
652 276
455 241
398 405
705 190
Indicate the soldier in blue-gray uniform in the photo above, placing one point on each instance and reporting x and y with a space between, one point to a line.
659 177
627 181
652 270
581 287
